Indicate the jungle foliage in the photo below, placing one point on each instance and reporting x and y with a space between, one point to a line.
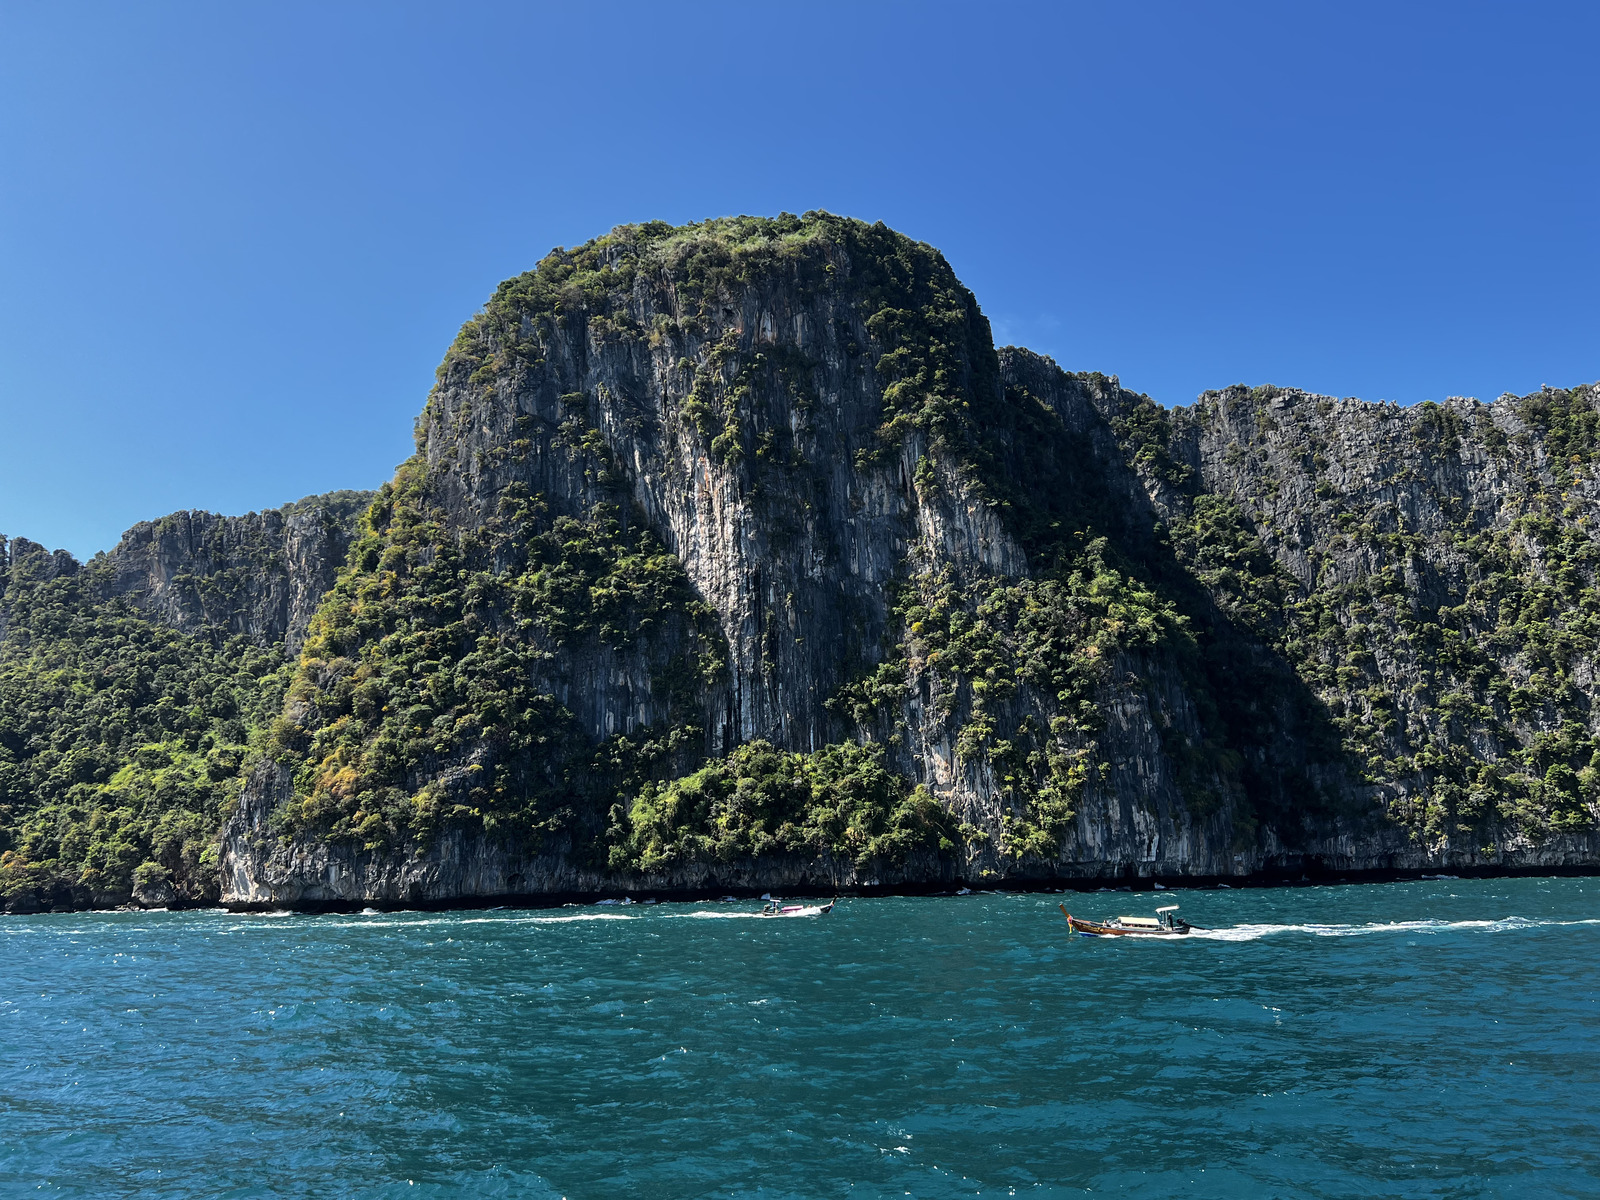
426 691
122 742
1448 663
841 802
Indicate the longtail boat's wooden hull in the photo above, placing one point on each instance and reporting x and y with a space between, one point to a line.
1100 929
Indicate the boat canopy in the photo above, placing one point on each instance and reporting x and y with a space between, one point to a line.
1168 908
1141 922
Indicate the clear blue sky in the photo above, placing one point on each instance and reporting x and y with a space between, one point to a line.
235 239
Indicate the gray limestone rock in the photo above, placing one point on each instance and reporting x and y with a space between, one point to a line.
260 575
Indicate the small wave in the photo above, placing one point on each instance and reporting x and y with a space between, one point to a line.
704 914
562 920
1250 933
387 921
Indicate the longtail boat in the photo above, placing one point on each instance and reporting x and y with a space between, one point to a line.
776 908
1164 924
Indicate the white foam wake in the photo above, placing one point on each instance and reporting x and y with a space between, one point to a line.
376 920
1250 933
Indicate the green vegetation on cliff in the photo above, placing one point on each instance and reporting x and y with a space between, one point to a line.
1451 663
840 802
982 640
121 741
932 349
425 691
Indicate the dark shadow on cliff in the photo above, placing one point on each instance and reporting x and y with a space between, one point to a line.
1068 476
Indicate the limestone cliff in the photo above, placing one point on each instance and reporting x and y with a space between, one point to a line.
736 555
1437 569
261 575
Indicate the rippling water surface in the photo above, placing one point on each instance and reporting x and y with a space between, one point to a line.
1439 1038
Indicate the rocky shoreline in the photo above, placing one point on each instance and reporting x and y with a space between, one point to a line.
1309 875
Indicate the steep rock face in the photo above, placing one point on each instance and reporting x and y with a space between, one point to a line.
1436 570
1074 623
788 511
261 575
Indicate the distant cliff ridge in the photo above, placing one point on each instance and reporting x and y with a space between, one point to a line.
736 555
261 575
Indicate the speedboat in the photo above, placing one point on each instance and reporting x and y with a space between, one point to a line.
777 908
1166 923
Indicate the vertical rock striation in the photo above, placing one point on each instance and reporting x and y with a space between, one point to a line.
261 575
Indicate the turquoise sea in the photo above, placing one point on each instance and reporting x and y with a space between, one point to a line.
1434 1038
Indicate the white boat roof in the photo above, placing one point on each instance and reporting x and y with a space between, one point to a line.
1141 921
1168 908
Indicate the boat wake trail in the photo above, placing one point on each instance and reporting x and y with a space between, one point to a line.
1251 933
705 915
